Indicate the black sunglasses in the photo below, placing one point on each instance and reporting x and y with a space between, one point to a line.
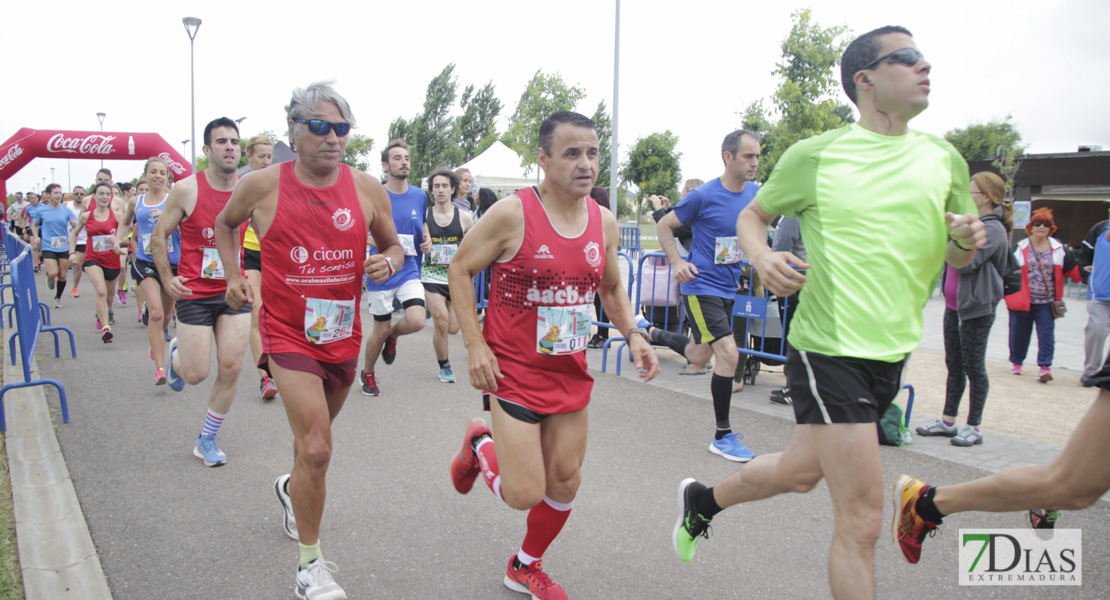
1041 224
906 56
322 127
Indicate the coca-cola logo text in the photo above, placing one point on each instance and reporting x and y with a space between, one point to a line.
175 166
13 153
93 144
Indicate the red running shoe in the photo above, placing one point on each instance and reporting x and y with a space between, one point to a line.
532 580
908 528
464 466
389 351
267 388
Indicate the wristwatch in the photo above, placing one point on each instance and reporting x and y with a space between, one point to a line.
392 269
639 330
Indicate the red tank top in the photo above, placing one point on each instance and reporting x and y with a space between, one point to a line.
312 283
200 263
100 241
541 305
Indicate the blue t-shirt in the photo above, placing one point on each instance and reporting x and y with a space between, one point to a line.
409 212
711 210
1099 288
53 224
31 210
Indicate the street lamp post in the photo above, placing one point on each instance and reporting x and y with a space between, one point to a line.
51 174
101 116
239 123
184 147
192 25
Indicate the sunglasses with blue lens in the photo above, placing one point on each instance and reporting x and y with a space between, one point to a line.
905 56
322 127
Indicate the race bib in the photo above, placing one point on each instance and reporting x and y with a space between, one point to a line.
102 243
145 240
726 251
443 253
562 329
59 241
407 244
211 265
328 321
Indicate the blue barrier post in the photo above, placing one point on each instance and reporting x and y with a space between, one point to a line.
28 324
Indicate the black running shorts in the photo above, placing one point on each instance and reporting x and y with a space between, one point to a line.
141 269
205 311
840 389
252 260
710 317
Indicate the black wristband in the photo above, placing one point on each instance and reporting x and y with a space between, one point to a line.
957 244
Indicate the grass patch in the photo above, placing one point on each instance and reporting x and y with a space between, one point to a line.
11 577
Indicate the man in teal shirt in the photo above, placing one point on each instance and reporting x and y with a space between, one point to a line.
881 208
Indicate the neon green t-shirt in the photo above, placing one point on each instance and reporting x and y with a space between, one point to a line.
871 210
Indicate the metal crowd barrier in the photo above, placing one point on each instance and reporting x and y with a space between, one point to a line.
630 240
29 322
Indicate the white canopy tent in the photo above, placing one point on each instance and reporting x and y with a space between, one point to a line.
498 168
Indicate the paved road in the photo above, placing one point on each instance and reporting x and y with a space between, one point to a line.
167 527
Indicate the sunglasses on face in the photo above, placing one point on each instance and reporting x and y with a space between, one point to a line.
1041 224
322 127
905 56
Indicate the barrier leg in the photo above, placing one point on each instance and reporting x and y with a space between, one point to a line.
11 346
22 384
11 309
909 403
57 350
44 310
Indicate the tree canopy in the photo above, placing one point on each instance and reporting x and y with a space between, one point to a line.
997 140
806 100
653 166
544 94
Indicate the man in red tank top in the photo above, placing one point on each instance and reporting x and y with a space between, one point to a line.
311 217
552 249
199 286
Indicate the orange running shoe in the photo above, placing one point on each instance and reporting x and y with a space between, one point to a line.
908 528
464 465
532 580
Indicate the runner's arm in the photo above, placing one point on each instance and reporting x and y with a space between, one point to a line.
778 270
73 232
498 233
249 193
378 212
125 223
615 302
664 230
180 199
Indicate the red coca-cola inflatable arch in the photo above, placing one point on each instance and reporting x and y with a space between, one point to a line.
28 144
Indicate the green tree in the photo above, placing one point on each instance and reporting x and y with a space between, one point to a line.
653 167
805 99
544 95
996 140
605 140
357 155
431 134
476 128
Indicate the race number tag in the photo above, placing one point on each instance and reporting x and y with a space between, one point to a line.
727 251
443 253
328 321
562 329
407 244
59 241
102 243
211 265
145 240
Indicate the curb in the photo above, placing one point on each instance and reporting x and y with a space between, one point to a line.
56 553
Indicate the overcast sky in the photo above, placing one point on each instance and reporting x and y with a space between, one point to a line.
688 67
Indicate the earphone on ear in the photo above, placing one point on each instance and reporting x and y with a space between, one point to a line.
867 81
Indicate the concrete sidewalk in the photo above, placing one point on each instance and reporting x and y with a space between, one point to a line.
164 526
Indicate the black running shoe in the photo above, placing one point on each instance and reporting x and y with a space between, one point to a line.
389 351
370 385
1042 521
781 396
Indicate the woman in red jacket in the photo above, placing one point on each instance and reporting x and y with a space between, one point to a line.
1045 263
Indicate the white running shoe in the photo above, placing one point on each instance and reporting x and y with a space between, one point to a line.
290 524
316 583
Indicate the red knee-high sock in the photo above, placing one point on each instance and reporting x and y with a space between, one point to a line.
487 461
545 521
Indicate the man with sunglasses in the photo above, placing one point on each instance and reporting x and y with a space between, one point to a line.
200 284
881 207
312 216
410 208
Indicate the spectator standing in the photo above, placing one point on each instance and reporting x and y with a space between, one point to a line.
1045 262
1095 250
971 294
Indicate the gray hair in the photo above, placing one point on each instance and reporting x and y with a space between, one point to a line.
304 101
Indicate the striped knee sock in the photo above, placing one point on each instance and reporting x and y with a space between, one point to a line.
212 423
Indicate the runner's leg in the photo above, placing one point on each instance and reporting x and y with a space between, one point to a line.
441 320
152 290
255 279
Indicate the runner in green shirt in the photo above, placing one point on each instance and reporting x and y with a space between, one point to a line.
881 208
